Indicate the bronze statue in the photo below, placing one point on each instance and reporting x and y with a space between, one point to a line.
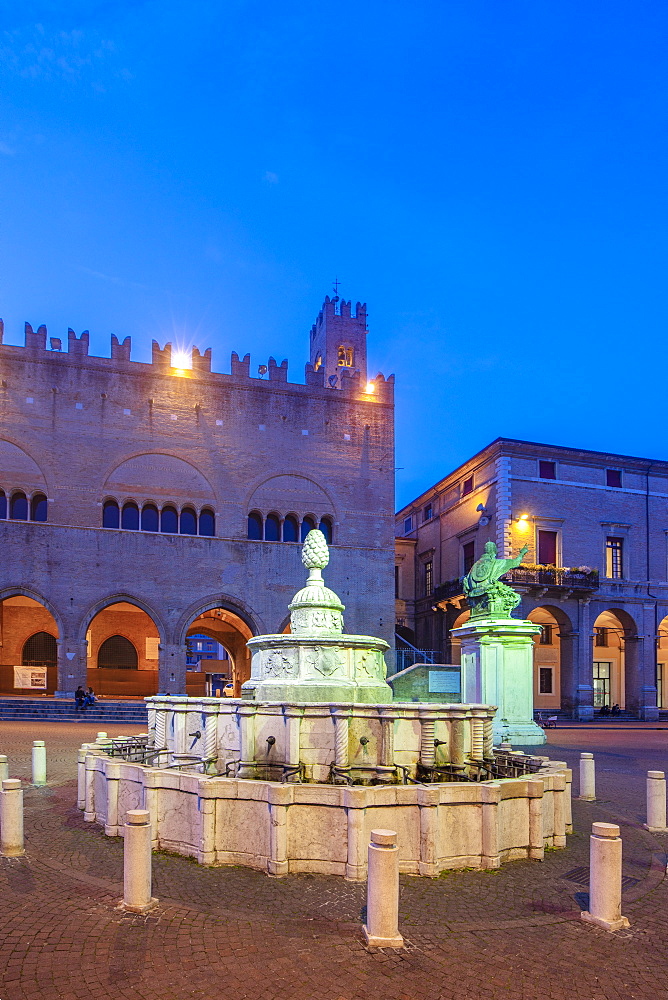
484 591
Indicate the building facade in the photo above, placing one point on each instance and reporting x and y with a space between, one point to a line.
595 575
144 503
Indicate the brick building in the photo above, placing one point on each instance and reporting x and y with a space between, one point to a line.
595 576
143 503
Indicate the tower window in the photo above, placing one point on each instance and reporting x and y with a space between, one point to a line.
318 363
345 357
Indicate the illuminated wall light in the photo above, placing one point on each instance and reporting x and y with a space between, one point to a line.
181 359
523 522
370 387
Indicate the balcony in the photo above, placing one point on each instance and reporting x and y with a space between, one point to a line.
554 578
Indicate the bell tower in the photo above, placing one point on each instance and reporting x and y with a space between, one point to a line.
338 340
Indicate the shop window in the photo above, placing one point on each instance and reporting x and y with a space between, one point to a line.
18 507
40 650
150 519
614 561
169 521
38 507
613 477
130 517
326 528
117 653
290 529
547 548
308 524
272 528
547 470
207 522
545 680
188 521
110 514
255 526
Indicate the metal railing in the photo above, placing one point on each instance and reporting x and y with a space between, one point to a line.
538 576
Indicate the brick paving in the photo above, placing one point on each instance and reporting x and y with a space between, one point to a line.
233 933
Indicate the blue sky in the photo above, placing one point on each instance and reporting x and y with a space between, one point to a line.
489 177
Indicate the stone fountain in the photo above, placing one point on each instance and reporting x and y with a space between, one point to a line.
292 776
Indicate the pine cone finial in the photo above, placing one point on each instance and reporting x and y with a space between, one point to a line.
315 554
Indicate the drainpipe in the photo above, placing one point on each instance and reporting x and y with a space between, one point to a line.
649 593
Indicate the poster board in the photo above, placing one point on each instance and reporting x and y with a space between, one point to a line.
30 677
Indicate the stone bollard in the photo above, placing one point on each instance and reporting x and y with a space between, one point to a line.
605 878
382 896
11 818
587 777
4 767
137 862
656 802
38 763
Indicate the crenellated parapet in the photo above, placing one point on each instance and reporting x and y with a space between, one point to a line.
346 331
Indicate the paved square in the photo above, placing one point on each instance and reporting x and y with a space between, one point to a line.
230 932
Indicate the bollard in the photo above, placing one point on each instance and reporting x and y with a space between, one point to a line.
11 819
605 878
101 738
4 767
587 777
38 763
656 802
382 895
137 862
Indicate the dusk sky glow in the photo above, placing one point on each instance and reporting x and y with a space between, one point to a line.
490 178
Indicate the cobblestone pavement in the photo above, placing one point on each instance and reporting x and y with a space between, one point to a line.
233 933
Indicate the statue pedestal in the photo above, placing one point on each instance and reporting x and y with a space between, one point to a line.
497 669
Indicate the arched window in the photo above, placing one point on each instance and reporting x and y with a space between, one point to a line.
38 507
110 515
255 526
3 504
272 528
326 528
169 521
188 521
308 524
207 522
345 357
130 517
40 650
117 653
149 517
18 507
291 529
